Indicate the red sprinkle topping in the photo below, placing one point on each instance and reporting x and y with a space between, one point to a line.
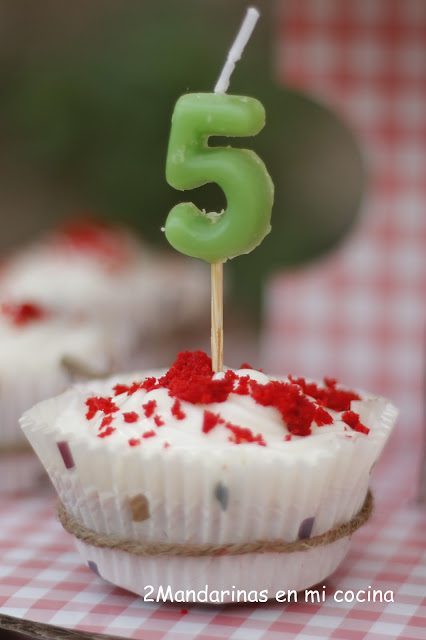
149 408
190 378
23 314
177 410
241 435
296 410
322 417
158 421
106 433
106 422
352 419
131 416
210 420
328 396
87 235
147 385
243 386
99 404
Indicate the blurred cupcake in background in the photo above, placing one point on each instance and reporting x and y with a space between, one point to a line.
42 352
106 273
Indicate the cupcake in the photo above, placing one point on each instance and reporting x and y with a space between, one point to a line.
189 485
42 352
105 272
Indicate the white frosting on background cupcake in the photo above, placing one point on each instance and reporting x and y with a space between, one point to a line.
107 274
34 340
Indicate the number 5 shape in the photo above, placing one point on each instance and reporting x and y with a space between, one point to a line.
240 173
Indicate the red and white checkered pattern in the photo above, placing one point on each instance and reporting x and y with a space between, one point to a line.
42 579
360 313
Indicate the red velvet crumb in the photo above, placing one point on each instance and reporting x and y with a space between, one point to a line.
210 420
131 416
241 435
91 236
158 421
23 314
296 410
190 378
106 422
106 433
149 434
328 396
96 404
352 419
149 408
322 417
134 442
177 410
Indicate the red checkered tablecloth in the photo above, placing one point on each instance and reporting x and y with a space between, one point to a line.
42 579
359 314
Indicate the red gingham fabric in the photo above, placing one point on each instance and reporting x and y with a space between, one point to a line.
359 313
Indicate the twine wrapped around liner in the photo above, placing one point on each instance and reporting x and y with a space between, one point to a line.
91 537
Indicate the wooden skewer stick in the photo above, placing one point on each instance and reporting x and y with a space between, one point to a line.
222 85
217 316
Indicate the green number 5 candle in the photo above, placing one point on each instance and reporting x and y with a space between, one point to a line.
191 162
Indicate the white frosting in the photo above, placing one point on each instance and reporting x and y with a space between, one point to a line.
146 288
39 345
239 410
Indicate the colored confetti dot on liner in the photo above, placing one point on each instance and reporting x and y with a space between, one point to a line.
221 493
93 567
305 528
65 451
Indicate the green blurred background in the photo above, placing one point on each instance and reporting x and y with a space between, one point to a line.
87 90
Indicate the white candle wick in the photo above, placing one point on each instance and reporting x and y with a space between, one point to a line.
237 49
